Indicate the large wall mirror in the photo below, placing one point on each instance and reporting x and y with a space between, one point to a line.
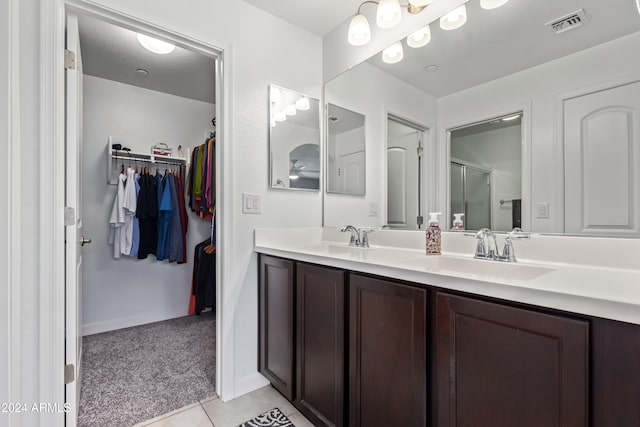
559 79
294 140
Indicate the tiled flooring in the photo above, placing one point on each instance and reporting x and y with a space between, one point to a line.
212 412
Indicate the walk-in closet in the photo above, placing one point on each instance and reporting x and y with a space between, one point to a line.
147 180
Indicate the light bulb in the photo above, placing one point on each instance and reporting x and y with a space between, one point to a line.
454 19
302 104
393 53
359 31
388 14
492 4
155 45
280 116
273 123
420 38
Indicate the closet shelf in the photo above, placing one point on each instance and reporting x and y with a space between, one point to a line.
115 155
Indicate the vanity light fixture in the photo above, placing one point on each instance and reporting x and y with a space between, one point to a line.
492 4
155 45
393 54
302 104
273 123
506 119
420 38
290 110
388 15
280 116
454 19
638 6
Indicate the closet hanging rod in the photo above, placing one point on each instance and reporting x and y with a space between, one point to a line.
164 160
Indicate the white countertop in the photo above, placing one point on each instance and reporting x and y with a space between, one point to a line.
591 276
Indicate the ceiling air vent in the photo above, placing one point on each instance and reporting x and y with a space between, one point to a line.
568 22
333 119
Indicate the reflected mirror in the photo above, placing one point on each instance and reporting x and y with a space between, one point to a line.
567 66
485 187
294 140
345 151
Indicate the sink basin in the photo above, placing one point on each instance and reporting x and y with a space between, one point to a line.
477 269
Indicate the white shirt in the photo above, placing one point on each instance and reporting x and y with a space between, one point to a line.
117 219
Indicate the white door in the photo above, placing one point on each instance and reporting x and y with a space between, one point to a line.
403 179
602 162
73 220
351 167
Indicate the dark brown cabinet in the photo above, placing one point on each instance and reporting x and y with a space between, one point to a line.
616 374
497 365
276 317
387 353
320 298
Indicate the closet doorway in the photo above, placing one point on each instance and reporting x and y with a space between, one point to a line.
140 113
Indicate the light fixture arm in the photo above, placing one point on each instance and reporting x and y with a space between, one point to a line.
410 8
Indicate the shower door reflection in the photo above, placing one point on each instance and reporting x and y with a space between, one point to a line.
471 195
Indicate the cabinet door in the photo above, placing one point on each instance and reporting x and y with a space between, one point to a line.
320 344
503 366
276 323
616 374
387 353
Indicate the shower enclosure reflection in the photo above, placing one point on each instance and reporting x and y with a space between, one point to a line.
486 173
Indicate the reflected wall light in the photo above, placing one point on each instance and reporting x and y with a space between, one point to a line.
420 38
393 54
454 19
492 4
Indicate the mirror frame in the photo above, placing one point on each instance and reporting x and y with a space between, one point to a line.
271 186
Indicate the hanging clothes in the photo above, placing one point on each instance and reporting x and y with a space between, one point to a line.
135 242
184 221
117 220
203 281
130 202
147 213
165 215
202 179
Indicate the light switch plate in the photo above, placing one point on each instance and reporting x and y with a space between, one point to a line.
373 209
251 203
542 210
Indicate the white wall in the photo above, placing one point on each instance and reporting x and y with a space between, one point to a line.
282 54
5 247
127 292
499 150
353 90
541 87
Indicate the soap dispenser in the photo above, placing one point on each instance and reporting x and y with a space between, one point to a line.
434 234
458 225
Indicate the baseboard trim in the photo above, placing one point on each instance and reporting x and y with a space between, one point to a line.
127 322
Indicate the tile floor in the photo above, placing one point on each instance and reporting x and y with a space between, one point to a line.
212 412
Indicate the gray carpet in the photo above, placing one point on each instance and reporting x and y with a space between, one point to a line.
134 374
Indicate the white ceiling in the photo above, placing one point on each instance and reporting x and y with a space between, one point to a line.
114 53
316 16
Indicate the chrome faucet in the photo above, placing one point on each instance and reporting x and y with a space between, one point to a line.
355 235
487 248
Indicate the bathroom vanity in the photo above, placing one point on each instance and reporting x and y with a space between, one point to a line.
388 336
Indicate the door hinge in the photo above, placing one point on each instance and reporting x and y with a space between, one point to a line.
69 374
69 216
420 151
69 60
419 220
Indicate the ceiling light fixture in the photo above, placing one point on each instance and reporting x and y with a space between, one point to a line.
492 4
420 38
393 54
388 15
454 19
506 119
155 45
274 95
638 6
280 116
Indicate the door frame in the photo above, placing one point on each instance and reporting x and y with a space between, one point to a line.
51 282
